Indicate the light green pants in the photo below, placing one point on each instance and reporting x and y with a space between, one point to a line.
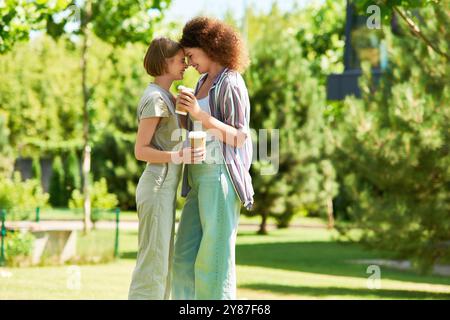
204 258
156 204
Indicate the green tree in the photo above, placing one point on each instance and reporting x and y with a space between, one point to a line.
41 97
320 32
284 95
19 17
56 188
116 123
407 11
21 197
392 145
117 23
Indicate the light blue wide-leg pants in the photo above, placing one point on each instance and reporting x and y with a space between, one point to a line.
204 256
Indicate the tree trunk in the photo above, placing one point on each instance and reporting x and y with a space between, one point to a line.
263 226
86 96
330 213
86 196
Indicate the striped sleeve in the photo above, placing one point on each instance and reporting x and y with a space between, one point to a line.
233 108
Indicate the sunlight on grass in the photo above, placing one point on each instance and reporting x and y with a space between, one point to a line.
295 263
266 283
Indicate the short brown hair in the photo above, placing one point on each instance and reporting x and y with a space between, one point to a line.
219 41
160 49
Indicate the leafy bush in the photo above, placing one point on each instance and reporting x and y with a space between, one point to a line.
18 248
285 96
112 159
21 196
393 146
101 199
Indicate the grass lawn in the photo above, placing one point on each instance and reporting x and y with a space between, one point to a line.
296 263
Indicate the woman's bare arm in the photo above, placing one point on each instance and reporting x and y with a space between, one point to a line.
224 132
144 152
142 149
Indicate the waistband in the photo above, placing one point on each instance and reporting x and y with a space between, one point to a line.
205 167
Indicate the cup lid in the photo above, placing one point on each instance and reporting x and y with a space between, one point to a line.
197 134
181 88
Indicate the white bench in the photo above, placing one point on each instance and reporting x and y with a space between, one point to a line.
53 243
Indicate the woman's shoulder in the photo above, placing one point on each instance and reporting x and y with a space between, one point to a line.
155 95
152 91
152 103
233 79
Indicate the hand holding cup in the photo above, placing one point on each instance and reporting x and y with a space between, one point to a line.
179 107
189 155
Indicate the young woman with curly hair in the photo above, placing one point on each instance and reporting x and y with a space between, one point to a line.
204 257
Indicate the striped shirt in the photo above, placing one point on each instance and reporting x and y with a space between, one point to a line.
229 103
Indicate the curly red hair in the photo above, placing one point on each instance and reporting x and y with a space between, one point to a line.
219 41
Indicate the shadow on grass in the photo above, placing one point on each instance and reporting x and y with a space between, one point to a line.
319 257
331 258
338 292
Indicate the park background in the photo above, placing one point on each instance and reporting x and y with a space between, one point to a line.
360 205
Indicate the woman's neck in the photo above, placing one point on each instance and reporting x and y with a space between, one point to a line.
214 70
164 82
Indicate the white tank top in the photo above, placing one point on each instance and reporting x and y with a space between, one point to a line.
213 151
204 105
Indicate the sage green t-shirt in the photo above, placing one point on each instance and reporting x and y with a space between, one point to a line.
157 102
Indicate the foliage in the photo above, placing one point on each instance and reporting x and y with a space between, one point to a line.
408 11
41 106
40 97
387 6
21 196
320 33
393 148
18 248
100 197
115 23
285 96
19 17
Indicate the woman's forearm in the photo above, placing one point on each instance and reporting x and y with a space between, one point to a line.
224 132
149 154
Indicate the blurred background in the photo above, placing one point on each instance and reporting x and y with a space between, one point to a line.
356 94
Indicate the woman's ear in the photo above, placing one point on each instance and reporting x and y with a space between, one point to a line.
167 62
